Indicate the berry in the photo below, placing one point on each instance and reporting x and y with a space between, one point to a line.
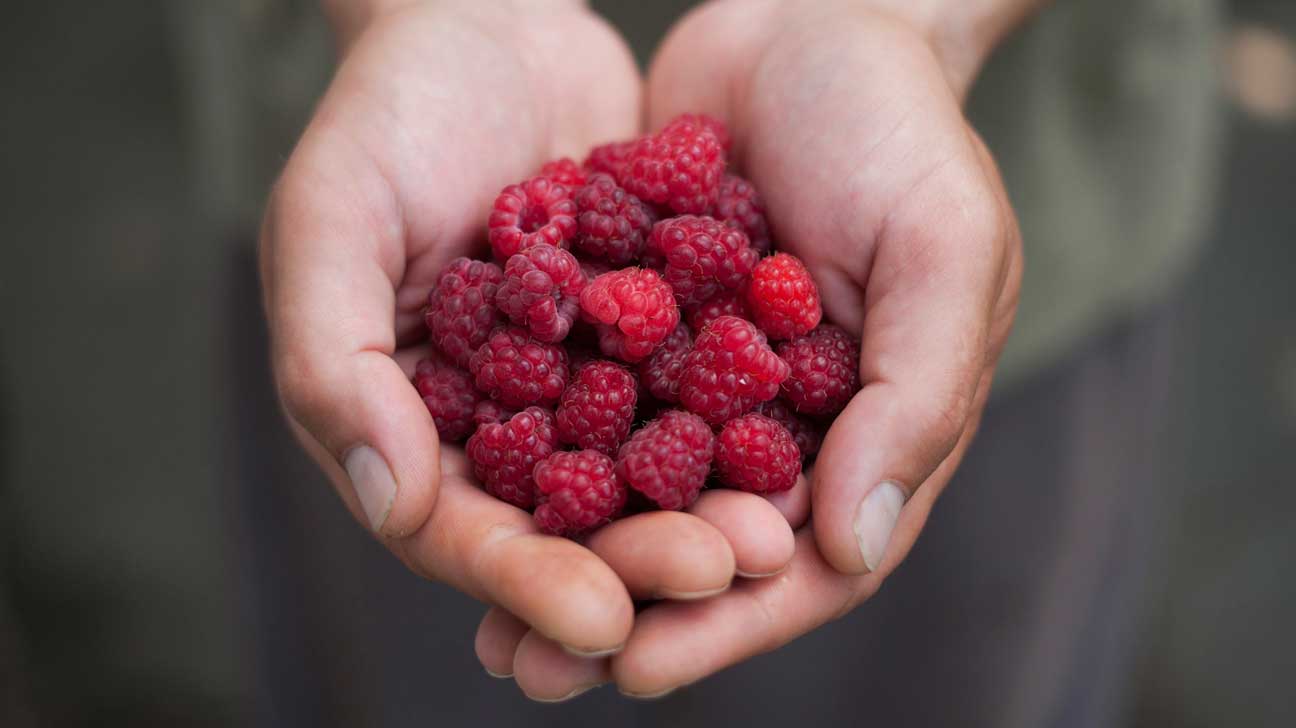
660 373
633 309
716 126
461 307
739 205
565 172
805 433
783 297
612 223
489 411
450 397
576 492
539 210
504 454
609 158
756 454
725 303
824 367
541 291
668 459
517 370
679 166
730 370
702 257
598 407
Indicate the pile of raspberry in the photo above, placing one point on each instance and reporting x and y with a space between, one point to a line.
634 339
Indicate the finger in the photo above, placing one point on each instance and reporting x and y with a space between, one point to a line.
497 640
666 555
794 503
757 532
548 673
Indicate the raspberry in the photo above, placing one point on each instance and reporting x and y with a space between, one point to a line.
679 166
450 397
461 307
598 407
756 454
504 454
716 126
660 373
738 204
613 223
519 371
805 433
576 492
702 257
725 303
489 411
783 297
565 172
539 210
633 309
541 291
668 459
824 370
730 370
609 158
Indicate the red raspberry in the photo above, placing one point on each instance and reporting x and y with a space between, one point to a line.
450 397
613 223
805 433
702 257
756 454
541 291
716 126
725 303
730 370
598 407
668 459
519 371
576 492
824 370
738 204
783 297
609 158
504 454
539 210
679 166
461 307
660 373
565 172
633 309
489 411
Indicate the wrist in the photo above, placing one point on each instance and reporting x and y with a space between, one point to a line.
350 17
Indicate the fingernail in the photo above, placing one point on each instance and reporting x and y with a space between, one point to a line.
578 691
874 520
499 675
373 483
647 696
685 596
591 654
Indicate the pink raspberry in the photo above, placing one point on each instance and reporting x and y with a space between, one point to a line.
576 492
613 224
633 309
824 366
519 371
541 291
538 210
805 433
598 407
740 205
725 303
756 454
565 172
702 257
505 454
716 126
660 373
668 459
489 411
730 370
461 308
679 166
783 297
609 158
450 397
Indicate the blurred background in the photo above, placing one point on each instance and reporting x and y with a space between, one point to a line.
150 497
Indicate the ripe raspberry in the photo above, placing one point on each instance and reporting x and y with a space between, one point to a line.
461 307
824 368
633 309
730 370
538 210
725 303
450 397
668 459
565 172
783 297
609 158
805 433
702 257
519 371
613 223
660 373
504 454
756 454
576 492
489 411
716 126
679 166
598 407
541 291
740 205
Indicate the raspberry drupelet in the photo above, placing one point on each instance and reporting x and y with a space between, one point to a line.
461 310
565 172
537 211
